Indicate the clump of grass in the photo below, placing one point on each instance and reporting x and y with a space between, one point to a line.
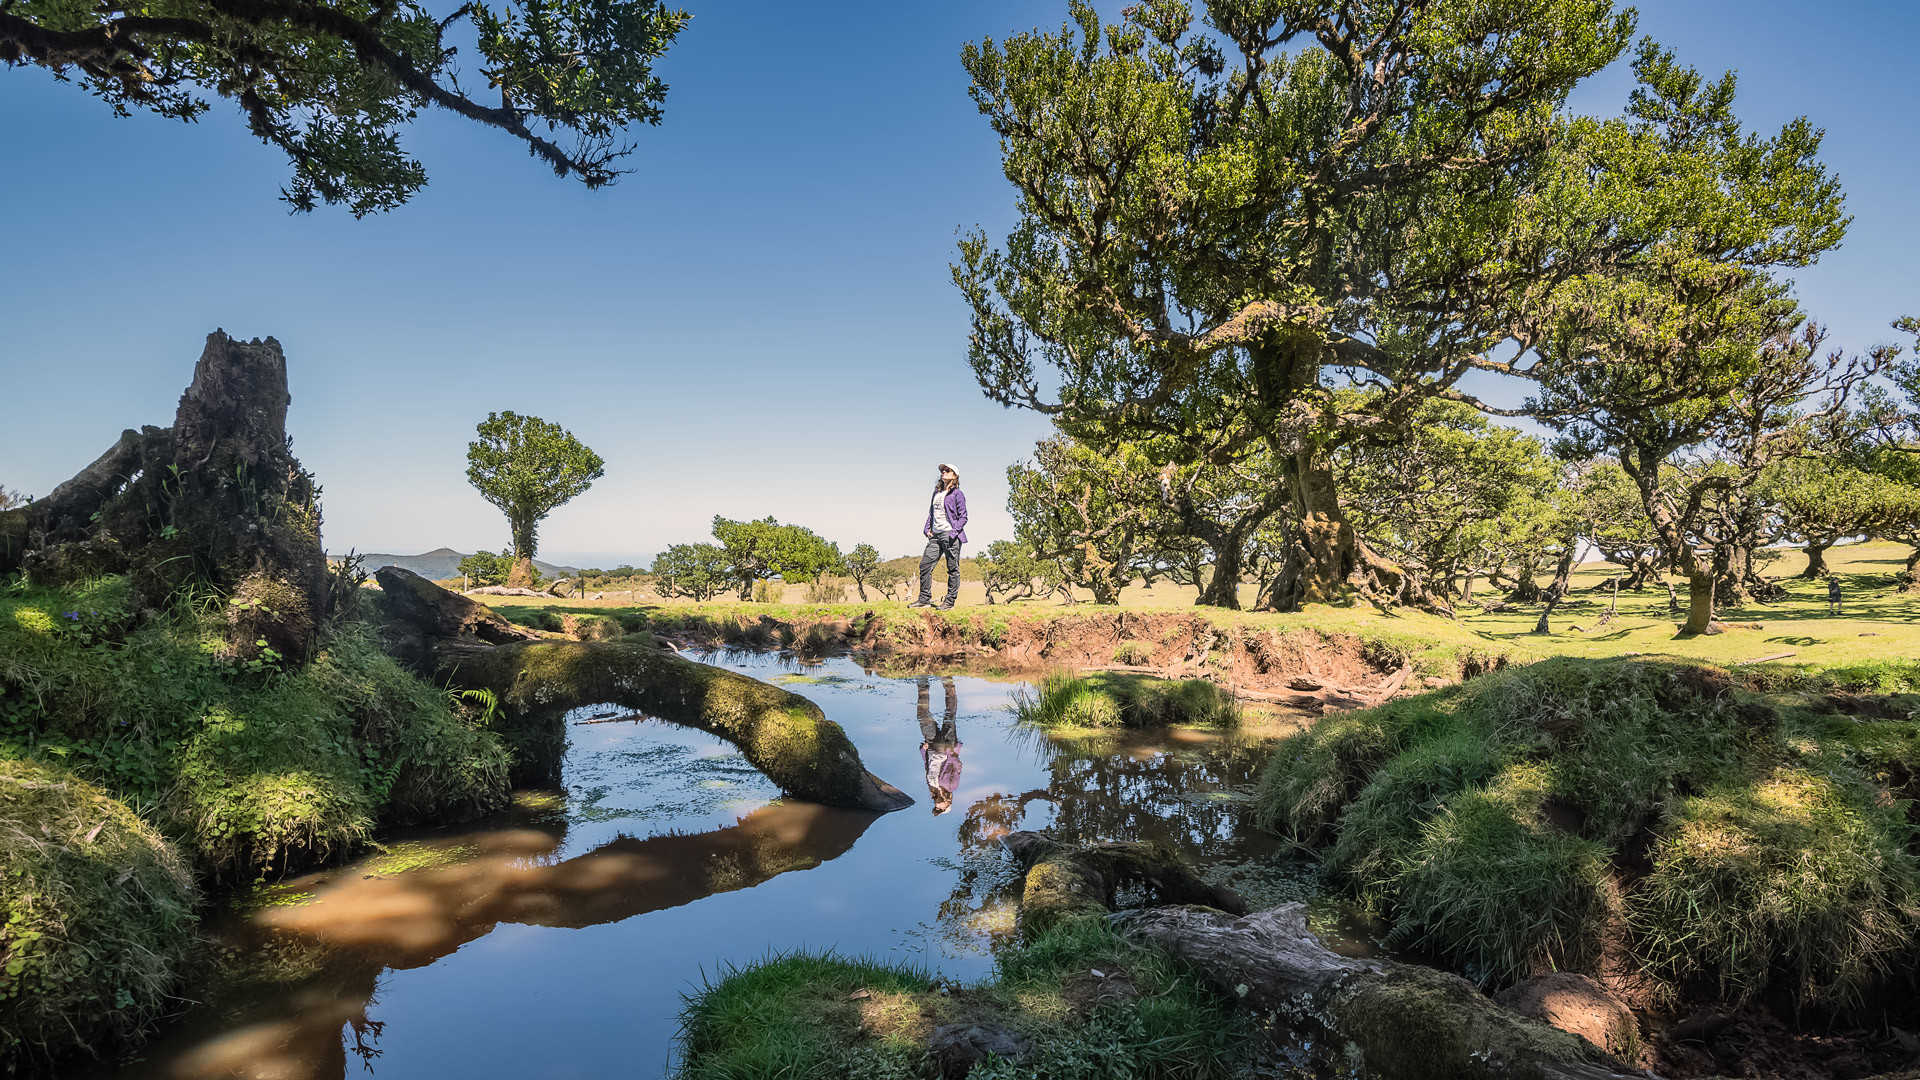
789 1015
98 916
1116 699
793 1016
1490 823
1133 652
1792 877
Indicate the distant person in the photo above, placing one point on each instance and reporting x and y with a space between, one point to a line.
946 530
940 744
1833 595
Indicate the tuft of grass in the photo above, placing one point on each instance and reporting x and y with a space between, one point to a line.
98 916
1502 824
1115 699
1791 878
1133 652
793 1015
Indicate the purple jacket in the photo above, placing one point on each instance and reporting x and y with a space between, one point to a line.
956 514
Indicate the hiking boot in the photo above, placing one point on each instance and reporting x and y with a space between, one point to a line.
921 603
946 605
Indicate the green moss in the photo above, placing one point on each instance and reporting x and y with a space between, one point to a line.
98 916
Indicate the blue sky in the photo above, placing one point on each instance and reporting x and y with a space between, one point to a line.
757 321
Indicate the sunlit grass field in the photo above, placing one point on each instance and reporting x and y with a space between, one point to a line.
1878 621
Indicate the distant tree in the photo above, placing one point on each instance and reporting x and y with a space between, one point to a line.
331 83
10 498
889 576
527 466
759 550
860 564
695 571
1011 572
1822 500
1091 512
1611 517
486 567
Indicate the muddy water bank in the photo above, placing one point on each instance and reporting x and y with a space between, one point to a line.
556 939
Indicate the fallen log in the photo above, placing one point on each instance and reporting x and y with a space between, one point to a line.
1378 1018
537 680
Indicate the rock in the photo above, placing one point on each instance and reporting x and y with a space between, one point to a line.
959 1047
1578 1005
1303 683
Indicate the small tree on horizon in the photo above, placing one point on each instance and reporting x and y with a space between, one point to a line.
763 549
10 498
861 563
695 571
527 466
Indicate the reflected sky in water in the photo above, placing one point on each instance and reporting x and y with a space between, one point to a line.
556 939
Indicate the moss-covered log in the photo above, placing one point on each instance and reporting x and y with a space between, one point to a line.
782 734
1066 881
1377 1017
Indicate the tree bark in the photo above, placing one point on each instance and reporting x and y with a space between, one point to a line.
1817 561
1378 1018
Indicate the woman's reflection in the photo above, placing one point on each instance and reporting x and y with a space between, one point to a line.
940 743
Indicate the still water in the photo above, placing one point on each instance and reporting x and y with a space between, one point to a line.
556 939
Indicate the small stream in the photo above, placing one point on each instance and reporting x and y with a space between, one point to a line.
556 939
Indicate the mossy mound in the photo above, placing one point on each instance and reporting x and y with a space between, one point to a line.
98 916
1121 699
257 764
824 1017
1733 835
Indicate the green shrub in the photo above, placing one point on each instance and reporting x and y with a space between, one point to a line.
98 916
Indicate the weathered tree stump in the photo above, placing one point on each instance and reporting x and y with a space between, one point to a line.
217 500
1380 1018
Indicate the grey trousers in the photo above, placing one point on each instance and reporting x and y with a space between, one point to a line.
940 544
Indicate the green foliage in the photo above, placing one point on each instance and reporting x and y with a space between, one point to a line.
257 767
860 565
1011 571
98 916
1113 699
787 1015
1485 821
331 84
1087 512
486 567
696 571
758 550
527 466
11 499
1132 652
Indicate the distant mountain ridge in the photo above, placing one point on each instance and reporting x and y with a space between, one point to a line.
442 563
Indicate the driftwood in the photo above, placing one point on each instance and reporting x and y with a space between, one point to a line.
1379 1018
536 680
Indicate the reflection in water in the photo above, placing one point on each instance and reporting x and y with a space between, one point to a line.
424 962
940 743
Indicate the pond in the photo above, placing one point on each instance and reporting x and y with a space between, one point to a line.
557 939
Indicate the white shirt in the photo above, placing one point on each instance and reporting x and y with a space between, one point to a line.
940 524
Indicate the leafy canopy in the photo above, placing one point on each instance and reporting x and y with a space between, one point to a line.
757 550
527 466
331 82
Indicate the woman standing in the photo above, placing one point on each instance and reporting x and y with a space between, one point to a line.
946 530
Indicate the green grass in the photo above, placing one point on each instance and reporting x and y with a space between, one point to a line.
1500 825
255 767
1115 699
98 917
794 1016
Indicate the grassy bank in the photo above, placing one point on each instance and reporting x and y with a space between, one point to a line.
1083 1002
189 759
1118 699
1734 834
